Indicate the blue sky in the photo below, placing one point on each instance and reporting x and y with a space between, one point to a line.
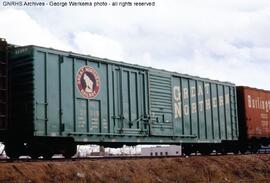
225 40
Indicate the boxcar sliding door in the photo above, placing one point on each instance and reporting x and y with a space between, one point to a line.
130 102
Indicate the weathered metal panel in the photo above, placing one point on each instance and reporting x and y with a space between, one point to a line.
254 112
201 112
67 99
160 104
116 103
41 101
21 92
3 85
53 93
101 101
204 110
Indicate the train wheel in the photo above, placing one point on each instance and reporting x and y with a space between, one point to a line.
68 155
70 151
13 151
206 151
12 154
187 151
34 155
254 149
34 151
243 150
48 154
223 151
235 151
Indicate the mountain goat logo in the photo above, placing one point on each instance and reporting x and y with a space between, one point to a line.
88 82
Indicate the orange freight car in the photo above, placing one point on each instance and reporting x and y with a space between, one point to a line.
254 114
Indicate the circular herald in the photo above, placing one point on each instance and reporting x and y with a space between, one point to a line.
88 82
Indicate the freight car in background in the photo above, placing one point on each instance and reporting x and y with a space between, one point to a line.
254 118
60 99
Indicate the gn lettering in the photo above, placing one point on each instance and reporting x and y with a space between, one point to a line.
178 94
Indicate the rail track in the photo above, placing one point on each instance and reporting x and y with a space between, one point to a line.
121 157
92 158
20 167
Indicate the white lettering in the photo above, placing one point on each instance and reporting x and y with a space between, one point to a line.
177 110
177 93
253 104
227 99
206 87
194 107
214 101
262 104
185 91
186 110
249 101
201 105
258 103
193 91
200 90
221 101
207 104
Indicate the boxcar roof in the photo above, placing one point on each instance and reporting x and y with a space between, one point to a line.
105 60
253 88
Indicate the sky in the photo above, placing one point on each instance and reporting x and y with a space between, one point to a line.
224 40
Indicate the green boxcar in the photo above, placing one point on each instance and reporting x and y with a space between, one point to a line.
58 95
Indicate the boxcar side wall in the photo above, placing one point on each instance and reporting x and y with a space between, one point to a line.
188 108
105 102
204 109
21 93
255 111
116 103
